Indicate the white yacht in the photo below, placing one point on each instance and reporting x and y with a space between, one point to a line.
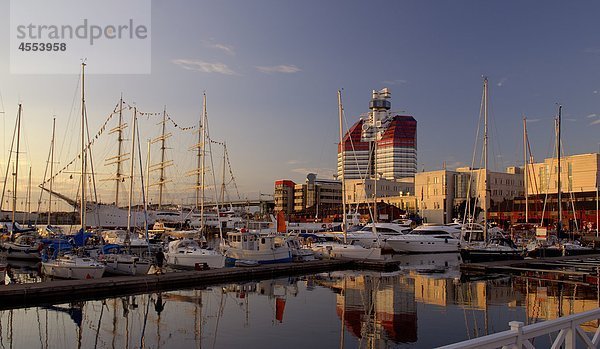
425 239
367 238
187 253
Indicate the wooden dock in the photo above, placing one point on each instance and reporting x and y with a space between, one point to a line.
62 291
585 268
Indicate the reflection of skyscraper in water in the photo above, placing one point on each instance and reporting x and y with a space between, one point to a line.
378 308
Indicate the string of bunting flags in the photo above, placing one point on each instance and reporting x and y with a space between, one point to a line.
115 111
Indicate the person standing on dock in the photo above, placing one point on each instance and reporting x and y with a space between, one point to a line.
160 259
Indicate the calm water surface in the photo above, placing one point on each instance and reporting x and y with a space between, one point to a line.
426 304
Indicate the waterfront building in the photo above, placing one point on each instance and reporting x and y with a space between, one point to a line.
580 176
441 193
284 196
579 173
319 195
381 142
363 190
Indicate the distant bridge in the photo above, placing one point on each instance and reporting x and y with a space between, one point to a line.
243 203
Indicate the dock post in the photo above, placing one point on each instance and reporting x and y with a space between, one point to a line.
517 328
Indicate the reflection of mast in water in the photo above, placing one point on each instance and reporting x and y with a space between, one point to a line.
102 305
343 313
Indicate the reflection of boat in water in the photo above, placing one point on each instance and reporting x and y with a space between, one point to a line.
444 265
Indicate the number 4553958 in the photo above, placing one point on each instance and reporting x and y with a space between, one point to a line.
42 46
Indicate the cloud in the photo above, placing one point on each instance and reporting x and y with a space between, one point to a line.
227 49
595 122
294 162
593 115
282 68
595 92
501 82
203 66
395 82
592 50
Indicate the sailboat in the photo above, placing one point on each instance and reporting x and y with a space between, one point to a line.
344 249
117 260
70 266
497 247
551 247
23 243
186 252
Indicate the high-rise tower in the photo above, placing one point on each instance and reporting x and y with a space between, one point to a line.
380 142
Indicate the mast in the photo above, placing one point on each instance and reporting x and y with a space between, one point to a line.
198 161
558 150
485 155
16 168
119 131
223 174
342 151
526 169
162 158
133 122
83 158
51 169
203 162
29 196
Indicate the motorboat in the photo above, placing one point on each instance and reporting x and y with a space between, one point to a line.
367 238
425 239
187 254
264 249
70 266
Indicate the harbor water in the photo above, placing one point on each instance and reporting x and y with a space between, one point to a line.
427 303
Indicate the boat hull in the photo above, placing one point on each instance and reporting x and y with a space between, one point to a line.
126 266
16 251
407 245
191 260
342 251
283 255
72 272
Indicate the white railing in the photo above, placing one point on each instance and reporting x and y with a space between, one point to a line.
520 336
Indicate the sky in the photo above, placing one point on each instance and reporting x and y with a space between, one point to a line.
271 71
